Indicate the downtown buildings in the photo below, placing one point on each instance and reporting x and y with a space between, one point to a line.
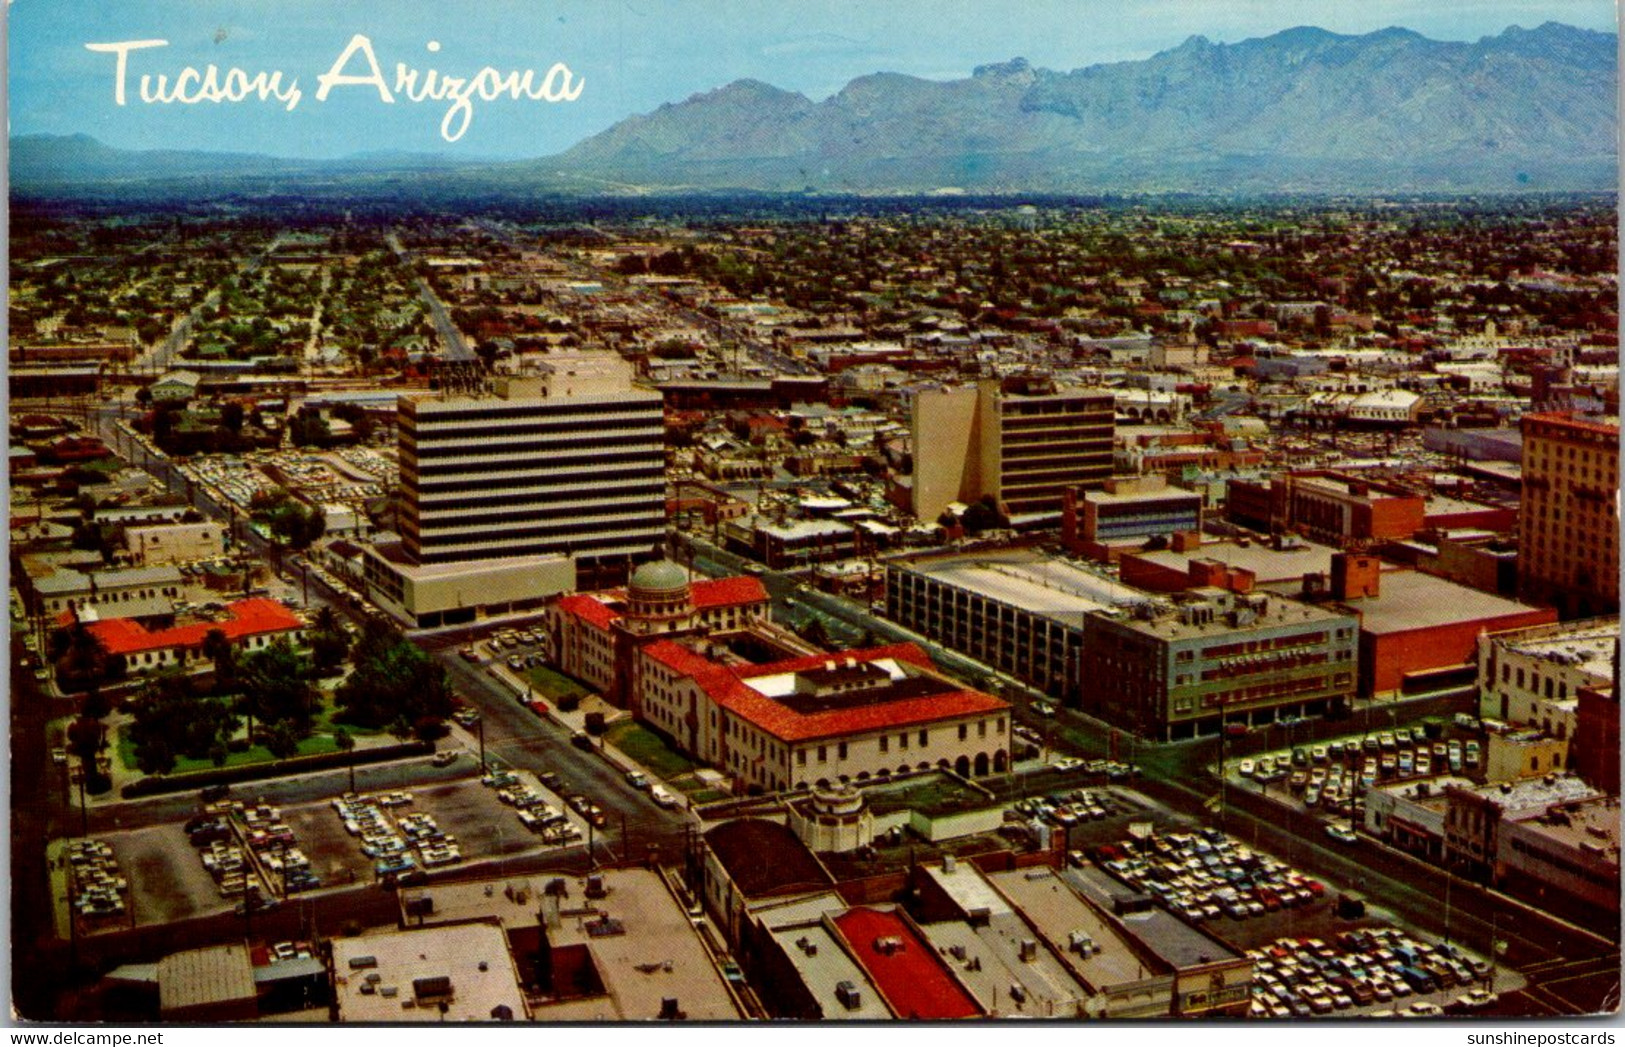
1569 522
512 488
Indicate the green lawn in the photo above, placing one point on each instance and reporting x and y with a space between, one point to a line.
554 685
648 749
316 743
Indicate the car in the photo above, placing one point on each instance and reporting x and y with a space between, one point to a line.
1469 753
516 663
444 758
59 755
469 654
1246 768
1476 1000
731 972
1067 763
1423 1009
1387 741
1342 834
211 793
1043 708
1319 754
754 568
582 740
660 796
637 779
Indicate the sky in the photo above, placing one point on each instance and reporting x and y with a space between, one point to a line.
624 56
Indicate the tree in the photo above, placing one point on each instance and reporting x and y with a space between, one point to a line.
328 641
394 684
276 689
281 740
218 648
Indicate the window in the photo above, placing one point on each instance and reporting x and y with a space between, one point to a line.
801 757
885 743
902 740
981 729
923 739
964 731
840 751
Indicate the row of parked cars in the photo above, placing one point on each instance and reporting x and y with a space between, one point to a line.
98 885
1067 809
434 848
1304 977
273 843
1204 875
364 817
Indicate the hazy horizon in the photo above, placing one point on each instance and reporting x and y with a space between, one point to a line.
625 61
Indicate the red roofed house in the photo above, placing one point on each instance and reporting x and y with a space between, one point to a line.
595 634
904 967
820 719
249 624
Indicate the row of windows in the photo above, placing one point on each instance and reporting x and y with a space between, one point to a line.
618 502
520 455
470 476
527 427
412 414
629 543
513 446
653 482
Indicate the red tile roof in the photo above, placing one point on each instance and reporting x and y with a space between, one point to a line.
913 981
706 594
248 618
729 688
726 592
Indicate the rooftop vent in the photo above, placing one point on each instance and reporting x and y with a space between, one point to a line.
669 1011
849 995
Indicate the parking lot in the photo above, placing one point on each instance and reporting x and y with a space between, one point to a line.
1331 776
1311 959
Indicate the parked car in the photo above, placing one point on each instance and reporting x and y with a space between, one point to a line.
1342 834
660 796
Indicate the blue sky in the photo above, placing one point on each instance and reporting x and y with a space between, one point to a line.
631 55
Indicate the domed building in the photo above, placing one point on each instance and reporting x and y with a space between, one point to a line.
659 598
595 635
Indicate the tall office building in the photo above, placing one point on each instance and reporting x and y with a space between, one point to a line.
568 459
1024 449
521 486
1568 541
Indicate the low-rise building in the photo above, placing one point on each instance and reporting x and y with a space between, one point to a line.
175 543
594 636
455 973
905 969
1570 848
820 719
1534 676
1178 671
248 624
430 595
615 945
1019 610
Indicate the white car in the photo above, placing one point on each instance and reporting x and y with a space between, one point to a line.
1342 834
660 796
1246 768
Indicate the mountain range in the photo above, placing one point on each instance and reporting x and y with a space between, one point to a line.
1302 110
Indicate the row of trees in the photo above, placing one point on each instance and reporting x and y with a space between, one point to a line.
394 686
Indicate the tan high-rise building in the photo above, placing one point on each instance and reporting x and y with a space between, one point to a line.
972 441
1568 523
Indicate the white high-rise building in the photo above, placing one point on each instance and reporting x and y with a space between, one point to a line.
512 483
568 459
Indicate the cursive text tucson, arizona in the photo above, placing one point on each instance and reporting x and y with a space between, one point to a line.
210 84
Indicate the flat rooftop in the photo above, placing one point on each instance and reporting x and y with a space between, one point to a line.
1279 612
647 925
1269 565
1594 822
1031 581
1170 938
1586 646
1411 600
401 960
1057 912
802 931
